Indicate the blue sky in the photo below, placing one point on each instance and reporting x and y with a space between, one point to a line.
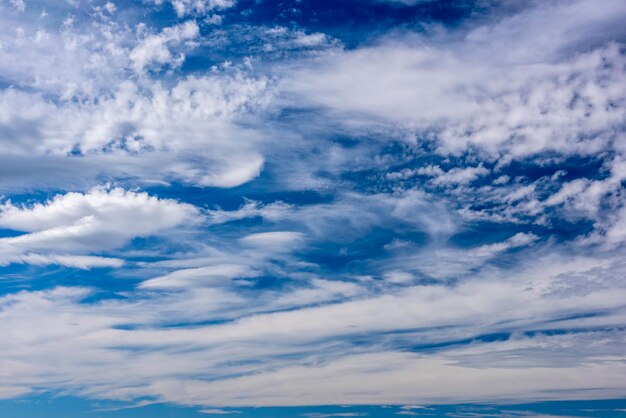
312 208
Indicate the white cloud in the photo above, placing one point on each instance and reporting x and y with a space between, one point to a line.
211 275
153 51
405 375
506 106
197 7
191 129
251 209
616 232
118 339
76 261
442 262
518 240
352 215
334 414
19 5
68 61
319 291
123 214
584 197
276 239
90 102
74 106
455 175
8 392
100 220
559 27
110 7
214 411
408 407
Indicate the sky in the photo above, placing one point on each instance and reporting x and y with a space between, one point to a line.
299 208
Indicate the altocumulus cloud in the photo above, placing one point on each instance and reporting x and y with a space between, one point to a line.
220 204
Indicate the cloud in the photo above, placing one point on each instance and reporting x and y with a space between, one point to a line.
409 262
76 261
154 50
19 5
408 407
167 361
251 209
197 7
616 233
273 239
319 291
335 414
343 381
456 175
212 275
73 105
99 220
134 133
214 411
61 55
509 106
422 216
